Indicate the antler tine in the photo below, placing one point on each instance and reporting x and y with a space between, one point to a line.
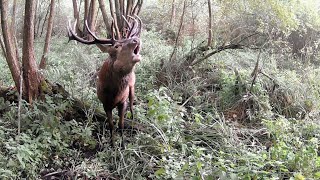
127 23
73 36
133 28
125 20
140 25
89 30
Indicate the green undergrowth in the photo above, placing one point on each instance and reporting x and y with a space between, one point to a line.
212 124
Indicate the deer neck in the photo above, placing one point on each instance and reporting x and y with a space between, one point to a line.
120 69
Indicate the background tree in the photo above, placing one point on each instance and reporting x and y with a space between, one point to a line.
48 35
11 55
31 78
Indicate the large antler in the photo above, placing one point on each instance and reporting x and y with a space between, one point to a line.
73 36
134 30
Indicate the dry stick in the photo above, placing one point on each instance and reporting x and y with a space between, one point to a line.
255 72
179 31
224 47
188 99
219 49
266 75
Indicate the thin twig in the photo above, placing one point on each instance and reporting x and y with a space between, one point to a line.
188 99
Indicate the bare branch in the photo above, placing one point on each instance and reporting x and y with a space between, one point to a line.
219 49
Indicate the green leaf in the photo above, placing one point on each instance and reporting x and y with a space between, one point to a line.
160 172
199 165
317 175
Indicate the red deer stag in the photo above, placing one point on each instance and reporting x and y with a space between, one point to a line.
116 77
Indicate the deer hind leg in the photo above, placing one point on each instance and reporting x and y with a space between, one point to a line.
111 126
121 111
131 99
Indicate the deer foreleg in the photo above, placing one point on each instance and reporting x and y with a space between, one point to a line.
111 126
121 111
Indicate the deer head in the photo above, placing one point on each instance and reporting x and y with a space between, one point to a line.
124 52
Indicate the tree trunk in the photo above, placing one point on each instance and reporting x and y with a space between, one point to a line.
210 25
173 13
35 14
137 8
43 62
129 8
31 77
113 14
118 17
13 28
3 48
8 40
76 15
85 18
92 16
44 20
105 16
39 18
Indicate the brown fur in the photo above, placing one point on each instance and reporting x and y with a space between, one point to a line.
116 80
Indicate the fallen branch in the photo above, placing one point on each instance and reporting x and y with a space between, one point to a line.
219 49
238 45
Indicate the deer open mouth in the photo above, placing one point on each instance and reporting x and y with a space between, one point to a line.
136 50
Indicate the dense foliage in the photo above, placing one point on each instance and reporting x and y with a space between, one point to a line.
218 119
